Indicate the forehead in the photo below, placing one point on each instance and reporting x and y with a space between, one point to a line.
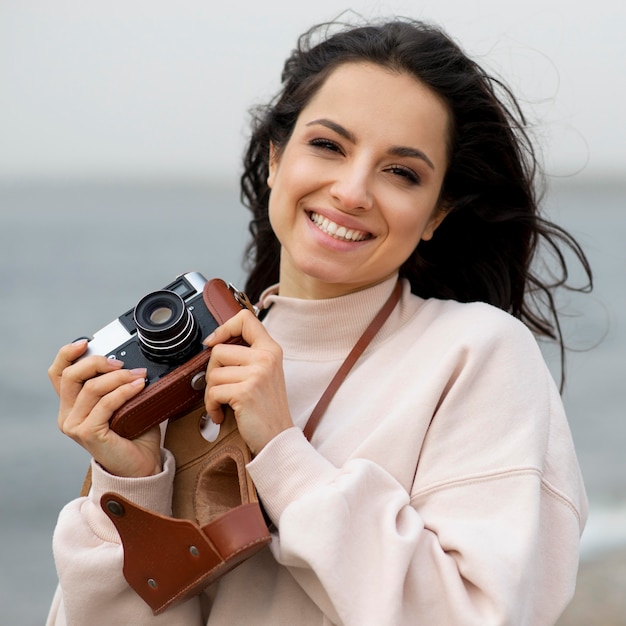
370 94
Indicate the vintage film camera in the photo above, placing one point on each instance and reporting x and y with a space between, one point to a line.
162 331
164 334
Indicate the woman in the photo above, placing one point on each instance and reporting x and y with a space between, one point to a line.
440 485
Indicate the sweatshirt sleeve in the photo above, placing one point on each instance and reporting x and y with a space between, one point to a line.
89 557
486 536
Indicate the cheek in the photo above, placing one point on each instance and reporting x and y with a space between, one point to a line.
416 217
409 228
410 225
289 183
280 217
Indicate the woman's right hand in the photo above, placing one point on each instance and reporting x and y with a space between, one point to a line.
90 391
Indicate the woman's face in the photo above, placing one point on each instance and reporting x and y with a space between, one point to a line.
357 185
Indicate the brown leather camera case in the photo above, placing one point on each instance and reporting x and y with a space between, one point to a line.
217 521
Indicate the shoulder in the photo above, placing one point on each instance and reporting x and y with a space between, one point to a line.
471 335
473 322
477 317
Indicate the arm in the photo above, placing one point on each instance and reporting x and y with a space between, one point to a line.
89 556
366 553
483 534
87 549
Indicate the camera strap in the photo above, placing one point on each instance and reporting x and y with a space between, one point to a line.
358 349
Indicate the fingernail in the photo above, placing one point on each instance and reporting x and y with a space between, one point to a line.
138 382
209 339
139 371
116 363
79 342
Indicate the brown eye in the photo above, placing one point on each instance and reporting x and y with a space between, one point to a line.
326 144
405 172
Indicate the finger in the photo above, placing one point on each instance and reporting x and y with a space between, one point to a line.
228 364
64 358
262 351
92 428
245 325
220 389
258 360
97 388
74 376
229 354
215 399
226 375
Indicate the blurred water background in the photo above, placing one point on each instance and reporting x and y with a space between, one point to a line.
73 257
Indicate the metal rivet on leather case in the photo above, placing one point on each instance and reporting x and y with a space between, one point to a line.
115 508
198 382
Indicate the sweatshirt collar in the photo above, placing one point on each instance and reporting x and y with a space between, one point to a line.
324 328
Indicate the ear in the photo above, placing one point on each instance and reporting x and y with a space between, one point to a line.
436 218
272 165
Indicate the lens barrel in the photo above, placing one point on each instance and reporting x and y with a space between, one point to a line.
166 329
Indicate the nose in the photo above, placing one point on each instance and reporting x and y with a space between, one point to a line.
352 187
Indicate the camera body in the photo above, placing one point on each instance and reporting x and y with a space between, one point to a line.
164 330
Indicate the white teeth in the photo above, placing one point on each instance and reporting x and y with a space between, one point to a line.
336 231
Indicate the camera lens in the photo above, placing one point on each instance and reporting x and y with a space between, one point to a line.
166 329
161 315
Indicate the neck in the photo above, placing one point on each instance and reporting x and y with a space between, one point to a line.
328 328
305 287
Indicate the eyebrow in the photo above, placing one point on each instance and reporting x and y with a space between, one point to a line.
400 151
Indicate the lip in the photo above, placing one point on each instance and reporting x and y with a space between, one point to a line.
340 221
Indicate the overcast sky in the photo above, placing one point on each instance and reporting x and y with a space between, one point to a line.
156 89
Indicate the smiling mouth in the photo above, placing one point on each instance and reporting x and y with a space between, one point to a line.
338 232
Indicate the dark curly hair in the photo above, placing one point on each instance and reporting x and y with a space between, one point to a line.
487 247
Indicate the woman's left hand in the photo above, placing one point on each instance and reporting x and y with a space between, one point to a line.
248 378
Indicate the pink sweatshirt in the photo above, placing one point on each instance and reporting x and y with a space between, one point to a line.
441 486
